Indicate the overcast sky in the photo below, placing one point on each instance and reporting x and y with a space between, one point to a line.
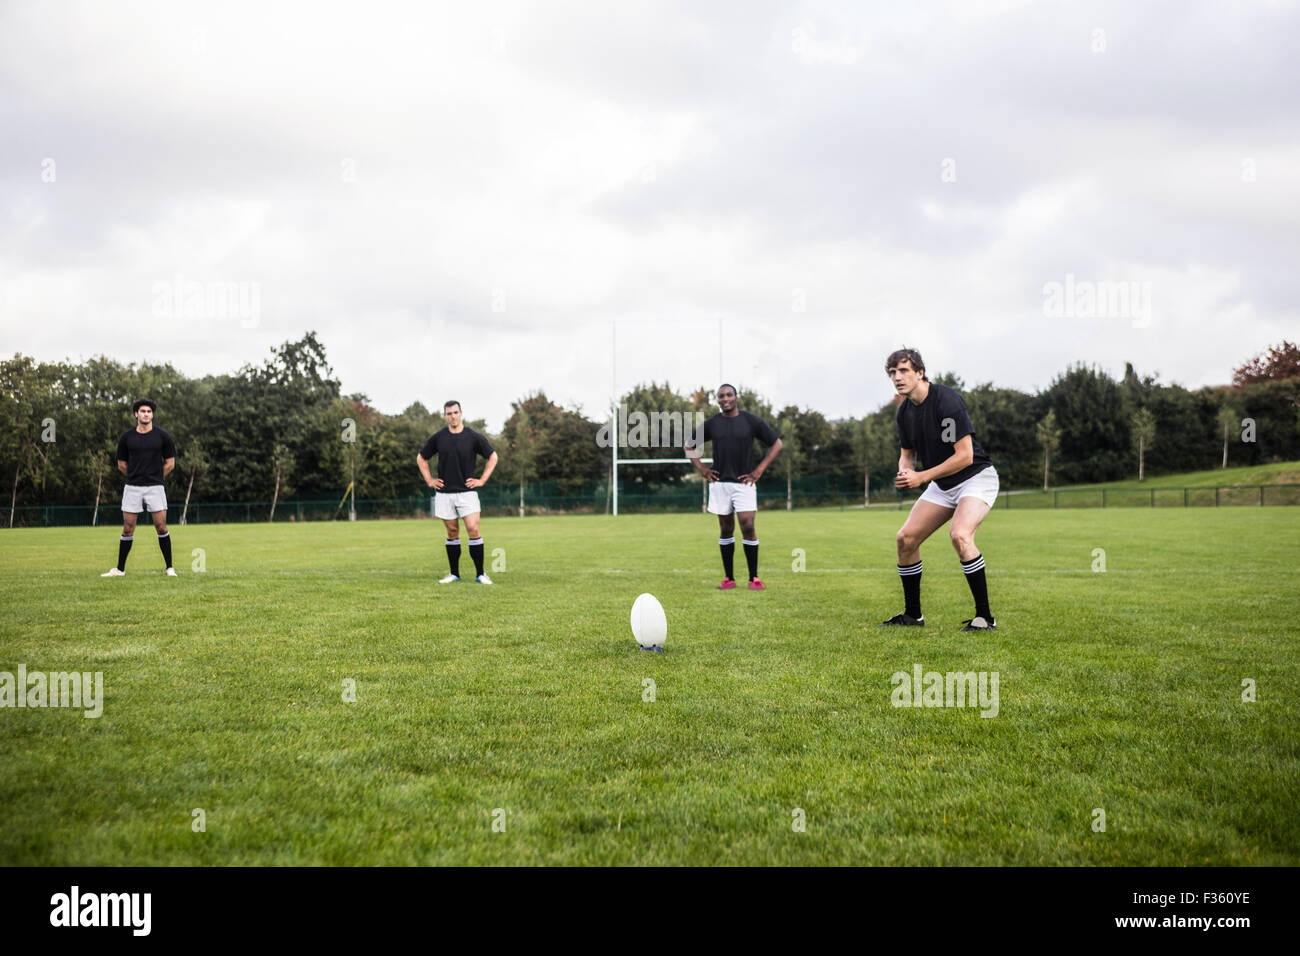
477 200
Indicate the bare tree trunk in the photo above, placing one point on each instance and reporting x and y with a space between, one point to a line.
866 486
13 499
789 502
521 496
352 508
1225 447
1047 463
275 495
1141 456
94 518
188 489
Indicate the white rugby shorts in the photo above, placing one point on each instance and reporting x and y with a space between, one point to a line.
983 486
455 505
137 498
726 497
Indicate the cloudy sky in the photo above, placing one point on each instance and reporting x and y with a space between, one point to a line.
482 200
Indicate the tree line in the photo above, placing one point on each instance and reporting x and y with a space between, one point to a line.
285 429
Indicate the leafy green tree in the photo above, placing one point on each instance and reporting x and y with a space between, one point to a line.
1143 431
1049 437
282 462
805 438
1228 417
1271 409
28 399
657 420
791 451
191 462
1089 408
280 402
1179 440
545 442
1006 424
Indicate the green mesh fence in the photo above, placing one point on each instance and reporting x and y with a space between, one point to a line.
502 499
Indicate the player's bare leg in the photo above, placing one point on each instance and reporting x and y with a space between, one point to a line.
925 519
965 522
750 540
727 545
164 539
453 550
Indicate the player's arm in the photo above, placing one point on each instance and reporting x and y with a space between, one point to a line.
423 464
121 466
487 473
906 467
168 453
773 450
963 453
693 453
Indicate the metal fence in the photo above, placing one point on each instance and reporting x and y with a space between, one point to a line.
1154 497
541 499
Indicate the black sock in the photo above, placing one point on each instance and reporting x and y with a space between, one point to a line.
751 557
453 556
165 542
476 552
728 548
910 575
123 549
979 588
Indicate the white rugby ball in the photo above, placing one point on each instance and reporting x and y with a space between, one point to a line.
649 623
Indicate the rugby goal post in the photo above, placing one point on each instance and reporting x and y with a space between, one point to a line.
704 500
655 430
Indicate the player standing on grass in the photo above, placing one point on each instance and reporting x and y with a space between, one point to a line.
455 496
932 419
145 456
732 478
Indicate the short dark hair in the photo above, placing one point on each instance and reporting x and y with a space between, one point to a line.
450 402
139 402
727 385
912 355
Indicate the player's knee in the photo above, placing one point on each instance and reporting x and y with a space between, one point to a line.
905 541
962 537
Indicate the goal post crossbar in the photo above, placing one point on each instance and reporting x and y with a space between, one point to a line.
662 461
653 461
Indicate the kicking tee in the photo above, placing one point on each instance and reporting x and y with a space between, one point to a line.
933 428
455 456
144 455
733 442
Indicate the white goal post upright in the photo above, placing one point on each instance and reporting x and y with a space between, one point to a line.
655 461
613 446
614 423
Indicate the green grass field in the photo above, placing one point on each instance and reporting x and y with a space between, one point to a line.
1119 690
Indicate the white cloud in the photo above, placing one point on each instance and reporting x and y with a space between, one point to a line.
462 200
